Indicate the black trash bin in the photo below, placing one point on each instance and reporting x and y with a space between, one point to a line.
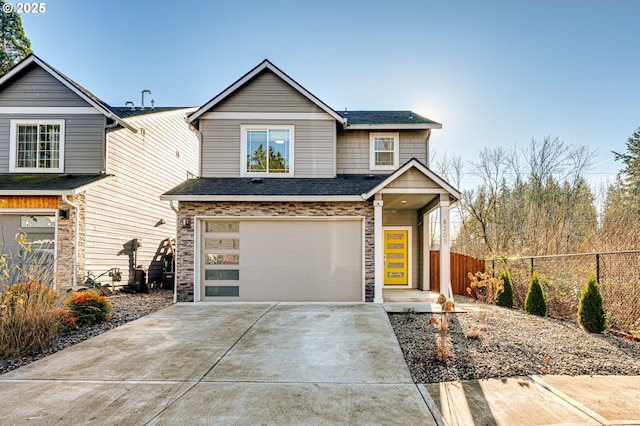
140 281
167 280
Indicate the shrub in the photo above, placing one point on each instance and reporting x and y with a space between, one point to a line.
534 303
446 308
27 321
505 297
88 307
484 286
591 315
66 321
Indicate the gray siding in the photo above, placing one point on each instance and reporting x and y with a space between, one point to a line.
313 146
267 93
353 149
37 88
128 205
84 140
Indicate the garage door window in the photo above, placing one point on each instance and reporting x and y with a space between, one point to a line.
221 258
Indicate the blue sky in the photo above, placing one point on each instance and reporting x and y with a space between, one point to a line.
495 73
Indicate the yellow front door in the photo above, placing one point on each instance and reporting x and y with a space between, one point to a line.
396 257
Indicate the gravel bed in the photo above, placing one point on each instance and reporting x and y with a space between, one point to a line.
510 343
126 307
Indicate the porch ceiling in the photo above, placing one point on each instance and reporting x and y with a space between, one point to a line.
406 201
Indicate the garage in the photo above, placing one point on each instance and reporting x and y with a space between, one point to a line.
317 259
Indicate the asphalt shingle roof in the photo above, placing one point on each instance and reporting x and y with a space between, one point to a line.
124 112
342 185
44 182
384 117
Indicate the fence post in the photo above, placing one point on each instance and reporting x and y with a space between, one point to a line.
598 268
493 266
532 266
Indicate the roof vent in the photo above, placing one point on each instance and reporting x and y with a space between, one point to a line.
370 177
143 92
345 111
410 115
133 107
153 104
256 180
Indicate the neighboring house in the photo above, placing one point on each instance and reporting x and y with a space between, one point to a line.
83 179
299 202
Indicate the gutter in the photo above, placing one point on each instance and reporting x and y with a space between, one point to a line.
75 245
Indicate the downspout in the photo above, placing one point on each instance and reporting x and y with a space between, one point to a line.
76 239
175 260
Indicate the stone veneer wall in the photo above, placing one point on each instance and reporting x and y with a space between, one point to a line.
66 240
186 243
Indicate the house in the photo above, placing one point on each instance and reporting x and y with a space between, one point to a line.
82 179
298 202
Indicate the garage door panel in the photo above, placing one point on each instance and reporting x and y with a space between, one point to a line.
300 260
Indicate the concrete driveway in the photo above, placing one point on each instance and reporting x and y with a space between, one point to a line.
270 364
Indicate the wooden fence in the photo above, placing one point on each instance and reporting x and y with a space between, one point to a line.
461 265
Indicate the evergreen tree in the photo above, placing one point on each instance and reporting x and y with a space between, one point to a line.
631 161
591 315
505 297
14 44
534 303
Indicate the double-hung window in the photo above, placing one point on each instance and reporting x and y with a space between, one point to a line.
384 152
37 146
267 150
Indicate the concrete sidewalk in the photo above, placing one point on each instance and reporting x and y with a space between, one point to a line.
283 364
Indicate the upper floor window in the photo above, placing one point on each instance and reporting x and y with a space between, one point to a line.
37 146
384 152
267 150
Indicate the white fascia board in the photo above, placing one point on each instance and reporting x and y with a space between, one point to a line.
249 76
266 116
428 173
183 111
417 126
264 198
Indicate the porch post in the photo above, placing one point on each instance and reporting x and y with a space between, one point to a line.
378 277
445 251
426 255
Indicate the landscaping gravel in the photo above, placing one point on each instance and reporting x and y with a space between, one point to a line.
126 307
510 343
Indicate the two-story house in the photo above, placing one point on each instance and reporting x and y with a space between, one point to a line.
299 202
82 179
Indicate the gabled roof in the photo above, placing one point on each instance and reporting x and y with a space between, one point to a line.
44 184
387 120
83 93
414 163
264 65
127 112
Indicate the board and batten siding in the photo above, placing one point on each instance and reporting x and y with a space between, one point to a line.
83 141
127 206
314 146
353 153
37 88
267 93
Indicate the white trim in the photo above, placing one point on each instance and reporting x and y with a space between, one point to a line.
372 151
409 230
413 191
243 148
197 246
13 148
378 249
268 198
426 253
417 126
250 76
266 116
55 74
420 167
49 110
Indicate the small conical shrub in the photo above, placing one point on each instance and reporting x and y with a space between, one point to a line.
505 297
534 303
591 314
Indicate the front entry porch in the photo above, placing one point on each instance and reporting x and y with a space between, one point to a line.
402 233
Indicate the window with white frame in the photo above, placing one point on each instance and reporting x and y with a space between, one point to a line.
37 146
267 150
384 151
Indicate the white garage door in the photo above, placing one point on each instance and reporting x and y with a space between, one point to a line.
282 260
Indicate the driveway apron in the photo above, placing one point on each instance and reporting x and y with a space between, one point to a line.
268 364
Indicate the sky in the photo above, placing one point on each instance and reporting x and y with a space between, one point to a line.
494 73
